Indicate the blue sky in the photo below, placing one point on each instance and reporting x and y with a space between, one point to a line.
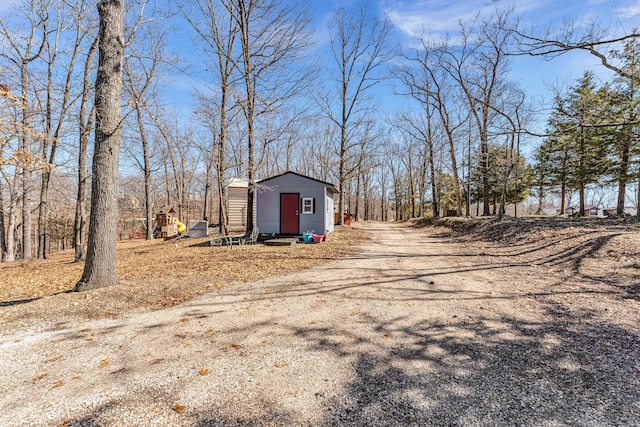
442 16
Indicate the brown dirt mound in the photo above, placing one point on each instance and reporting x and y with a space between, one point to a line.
604 250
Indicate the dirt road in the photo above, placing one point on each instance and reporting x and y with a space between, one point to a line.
415 330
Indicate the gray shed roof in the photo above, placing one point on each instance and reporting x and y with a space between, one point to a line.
329 186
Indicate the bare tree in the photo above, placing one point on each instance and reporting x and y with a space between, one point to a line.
478 64
359 50
100 267
13 159
593 38
429 82
217 32
69 19
147 53
86 120
24 48
273 38
421 126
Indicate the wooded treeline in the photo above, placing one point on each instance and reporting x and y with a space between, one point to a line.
273 93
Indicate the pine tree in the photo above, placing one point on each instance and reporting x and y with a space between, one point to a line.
623 113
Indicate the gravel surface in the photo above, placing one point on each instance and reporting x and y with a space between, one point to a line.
415 330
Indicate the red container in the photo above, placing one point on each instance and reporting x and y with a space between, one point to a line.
317 238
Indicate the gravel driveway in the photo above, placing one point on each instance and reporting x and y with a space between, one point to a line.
415 330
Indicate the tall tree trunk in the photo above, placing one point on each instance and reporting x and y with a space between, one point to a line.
27 174
434 187
46 174
13 219
622 177
484 167
11 235
456 178
638 198
85 125
221 166
3 236
147 174
356 213
581 172
341 169
100 267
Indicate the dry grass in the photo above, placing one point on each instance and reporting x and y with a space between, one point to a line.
157 274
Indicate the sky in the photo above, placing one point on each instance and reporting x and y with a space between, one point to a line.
534 74
441 17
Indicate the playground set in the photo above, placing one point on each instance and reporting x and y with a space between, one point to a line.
168 224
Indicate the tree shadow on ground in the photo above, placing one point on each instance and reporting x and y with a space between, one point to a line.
28 300
567 370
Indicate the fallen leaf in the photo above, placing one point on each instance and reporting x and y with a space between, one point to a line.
204 371
88 339
386 335
355 313
184 319
156 361
41 376
265 341
178 408
104 362
58 384
236 346
84 330
182 335
189 344
281 365
68 421
53 359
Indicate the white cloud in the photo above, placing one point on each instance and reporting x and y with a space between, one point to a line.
443 16
631 11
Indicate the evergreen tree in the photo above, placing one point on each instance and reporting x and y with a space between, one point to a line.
623 113
582 110
518 186
573 155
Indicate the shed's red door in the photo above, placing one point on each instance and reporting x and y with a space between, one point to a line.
289 219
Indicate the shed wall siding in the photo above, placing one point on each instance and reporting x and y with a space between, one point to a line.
268 203
237 206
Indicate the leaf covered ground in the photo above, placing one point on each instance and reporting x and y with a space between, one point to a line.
156 274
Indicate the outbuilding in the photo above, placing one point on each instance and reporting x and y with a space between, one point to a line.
291 204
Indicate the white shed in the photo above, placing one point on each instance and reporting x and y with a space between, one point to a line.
290 204
236 194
